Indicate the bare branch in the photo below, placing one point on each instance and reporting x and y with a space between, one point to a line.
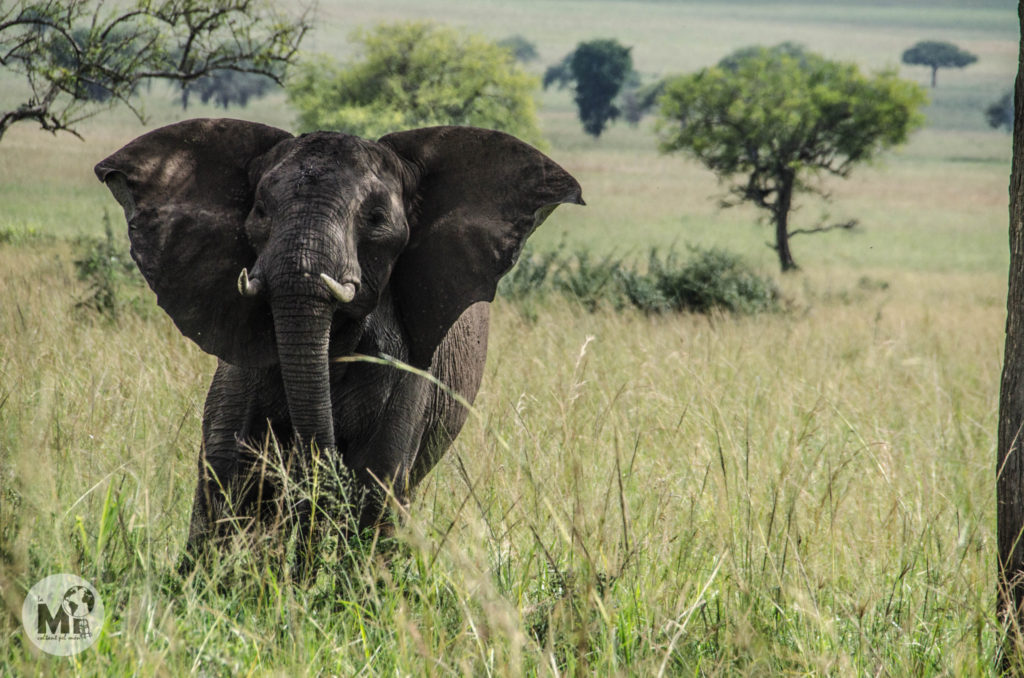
845 225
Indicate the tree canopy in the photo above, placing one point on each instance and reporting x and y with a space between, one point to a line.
1000 113
598 69
522 49
227 88
417 74
777 118
76 54
936 55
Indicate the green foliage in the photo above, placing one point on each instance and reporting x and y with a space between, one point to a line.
710 280
590 281
599 69
936 55
227 88
713 279
522 49
76 53
1000 113
69 53
417 74
778 117
104 264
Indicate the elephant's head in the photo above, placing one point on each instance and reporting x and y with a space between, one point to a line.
257 242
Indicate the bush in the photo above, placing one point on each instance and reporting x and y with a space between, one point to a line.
106 266
711 280
591 282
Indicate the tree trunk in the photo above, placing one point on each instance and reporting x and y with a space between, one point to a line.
1009 464
780 213
935 72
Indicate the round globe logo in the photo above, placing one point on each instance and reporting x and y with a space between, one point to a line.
62 614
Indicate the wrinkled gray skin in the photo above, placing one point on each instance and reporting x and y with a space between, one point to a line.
391 247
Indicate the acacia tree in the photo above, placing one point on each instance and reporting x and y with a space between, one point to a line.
597 69
77 55
414 74
936 55
780 117
1000 113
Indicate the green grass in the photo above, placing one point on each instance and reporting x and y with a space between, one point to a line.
808 492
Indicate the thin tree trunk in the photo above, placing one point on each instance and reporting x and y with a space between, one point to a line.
935 72
1009 463
781 217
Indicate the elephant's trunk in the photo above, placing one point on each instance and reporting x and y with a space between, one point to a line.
303 325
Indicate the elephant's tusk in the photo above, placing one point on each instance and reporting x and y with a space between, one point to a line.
247 287
343 292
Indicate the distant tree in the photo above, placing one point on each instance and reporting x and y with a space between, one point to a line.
599 69
777 118
417 74
1000 113
227 88
639 99
522 49
937 55
76 54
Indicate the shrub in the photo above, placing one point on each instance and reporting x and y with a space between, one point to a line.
710 280
530 277
590 282
106 266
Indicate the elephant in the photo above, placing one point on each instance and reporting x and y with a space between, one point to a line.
287 257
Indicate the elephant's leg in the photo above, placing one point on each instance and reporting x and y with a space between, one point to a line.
381 462
459 365
226 488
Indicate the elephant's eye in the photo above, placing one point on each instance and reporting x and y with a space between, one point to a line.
259 209
377 217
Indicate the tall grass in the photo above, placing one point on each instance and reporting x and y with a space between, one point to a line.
807 492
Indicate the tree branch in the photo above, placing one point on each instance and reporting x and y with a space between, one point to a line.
76 54
845 225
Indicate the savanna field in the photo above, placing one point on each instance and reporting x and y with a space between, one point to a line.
802 492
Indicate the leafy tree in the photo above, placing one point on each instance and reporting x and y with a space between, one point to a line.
1000 113
936 55
226 88
64 54
638 99
522 49
776 118
599 69
416 74
77 53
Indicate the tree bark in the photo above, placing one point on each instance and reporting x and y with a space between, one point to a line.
781 217
1009 463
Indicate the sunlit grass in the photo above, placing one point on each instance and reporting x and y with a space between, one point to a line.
801 492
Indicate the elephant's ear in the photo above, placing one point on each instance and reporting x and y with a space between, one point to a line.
478 194
186 190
